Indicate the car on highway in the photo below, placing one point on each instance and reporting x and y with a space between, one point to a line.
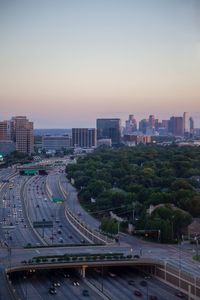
131 282
152 297
75 283
56 284
138 293
112 275
180 295
52 291
85 293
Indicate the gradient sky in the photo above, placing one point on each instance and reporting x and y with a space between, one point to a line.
65 63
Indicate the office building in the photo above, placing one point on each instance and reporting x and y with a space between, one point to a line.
104 143
5 130
109 129
55 143
186 122
22 134
7 147
84 137
191 125
176 126
130 125
143 126
135 139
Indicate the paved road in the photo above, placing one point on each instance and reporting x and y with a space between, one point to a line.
37 286
36 194
118 287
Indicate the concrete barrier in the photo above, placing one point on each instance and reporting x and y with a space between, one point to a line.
92 235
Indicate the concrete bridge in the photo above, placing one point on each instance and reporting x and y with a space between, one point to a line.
85 257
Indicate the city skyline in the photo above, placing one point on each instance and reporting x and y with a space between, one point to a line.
73 62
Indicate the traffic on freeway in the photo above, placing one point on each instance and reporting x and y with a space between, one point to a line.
26 201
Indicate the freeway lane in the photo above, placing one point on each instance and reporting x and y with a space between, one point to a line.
126 281
53 182
41 207
36 286
74 205
12 214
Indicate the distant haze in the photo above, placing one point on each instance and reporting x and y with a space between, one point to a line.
65 63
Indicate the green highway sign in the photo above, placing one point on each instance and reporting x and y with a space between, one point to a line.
43 224
57 200
30 172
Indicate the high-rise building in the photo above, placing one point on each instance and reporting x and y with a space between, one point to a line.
143 125
109 129
176 126
54 143
130 125
22 134
5 130
191 125
135 139
151 122
186 122
84 137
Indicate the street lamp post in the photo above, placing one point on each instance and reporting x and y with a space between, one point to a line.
197 247
102 278
180 244
147 291
180 263
26 290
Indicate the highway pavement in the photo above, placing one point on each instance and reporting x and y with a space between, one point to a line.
39 206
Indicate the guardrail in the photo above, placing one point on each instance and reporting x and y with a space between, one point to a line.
93 235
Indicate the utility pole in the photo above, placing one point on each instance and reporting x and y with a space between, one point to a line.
118 225
180 244
102 278
133 204
197 248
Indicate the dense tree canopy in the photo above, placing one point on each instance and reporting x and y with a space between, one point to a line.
120 179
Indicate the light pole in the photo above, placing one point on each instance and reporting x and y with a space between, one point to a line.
197 248
26 290
180 244
147 291
102 278
118 227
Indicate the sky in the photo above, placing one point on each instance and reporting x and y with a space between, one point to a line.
64 63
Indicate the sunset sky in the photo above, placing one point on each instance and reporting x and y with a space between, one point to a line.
65 63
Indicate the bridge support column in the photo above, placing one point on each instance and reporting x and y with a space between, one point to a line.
83 271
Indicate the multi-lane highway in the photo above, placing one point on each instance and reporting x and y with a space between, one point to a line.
25 200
